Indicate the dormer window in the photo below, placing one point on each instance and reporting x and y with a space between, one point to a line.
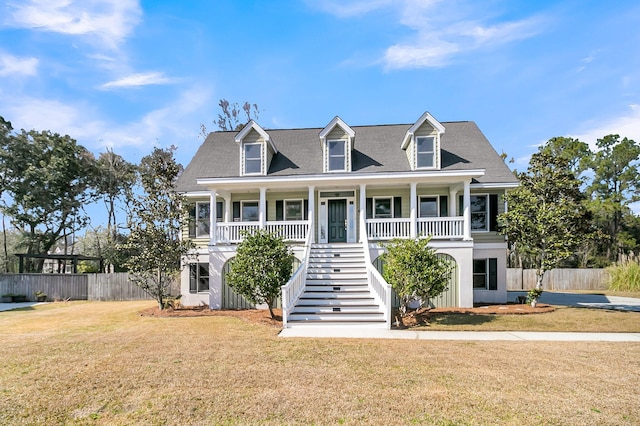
337 155
425 151
252 158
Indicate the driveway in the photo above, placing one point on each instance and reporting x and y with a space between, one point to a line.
584 300
10 306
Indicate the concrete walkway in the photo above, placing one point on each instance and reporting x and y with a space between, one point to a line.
10 306
582 300
372 333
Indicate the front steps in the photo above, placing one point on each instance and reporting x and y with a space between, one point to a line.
336 291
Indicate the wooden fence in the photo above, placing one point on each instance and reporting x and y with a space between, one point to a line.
76 286
558 279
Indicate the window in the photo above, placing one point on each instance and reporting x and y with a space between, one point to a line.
428 207
479 213
198 277
336 155
293 210
485 274
252 158
202 219
425 151
383 208
250 211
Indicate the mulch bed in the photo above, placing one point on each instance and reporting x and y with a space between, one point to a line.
259 316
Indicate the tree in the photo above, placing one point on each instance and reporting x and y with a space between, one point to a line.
230 117
615 185
154 226
47 178
261 267
546 217
415 271
115 177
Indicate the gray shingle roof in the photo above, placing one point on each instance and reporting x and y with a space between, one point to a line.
377 150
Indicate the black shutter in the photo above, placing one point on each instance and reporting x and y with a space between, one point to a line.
444 206
493 212
219 211
460 205
397 206
279 210
305 209
192 221
369 208
236 211
266 211
493 273
193 278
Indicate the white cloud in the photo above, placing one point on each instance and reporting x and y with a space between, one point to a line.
110 21
171 123
12 65
627 126
138 79
343 9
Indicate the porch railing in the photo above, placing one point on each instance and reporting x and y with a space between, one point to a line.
380 288
294 288
292 230
436 227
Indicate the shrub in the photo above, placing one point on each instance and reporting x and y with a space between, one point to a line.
625 275
261 267
415 271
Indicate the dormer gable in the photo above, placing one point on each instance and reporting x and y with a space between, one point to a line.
337 140
422 143
256 149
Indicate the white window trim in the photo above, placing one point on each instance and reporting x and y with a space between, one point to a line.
373 207
486 212
486 274
437 197
433 152
242 203
344 155
198 291
202 220
244 159
284 208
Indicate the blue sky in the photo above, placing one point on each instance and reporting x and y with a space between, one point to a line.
132 74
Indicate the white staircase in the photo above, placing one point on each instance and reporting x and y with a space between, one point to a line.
336 291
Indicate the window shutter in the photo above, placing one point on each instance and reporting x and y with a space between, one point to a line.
305 209
444 206
397 206
192 221
493 212
193 278
266 211
219 211
493 273
236 211
279 210
460 205
369 208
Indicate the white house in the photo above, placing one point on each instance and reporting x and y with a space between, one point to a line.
337 194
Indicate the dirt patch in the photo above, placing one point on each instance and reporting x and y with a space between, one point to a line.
421 317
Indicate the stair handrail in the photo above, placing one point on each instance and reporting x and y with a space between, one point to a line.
377 284
294 288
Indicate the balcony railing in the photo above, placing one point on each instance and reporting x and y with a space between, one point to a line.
292 230
436 227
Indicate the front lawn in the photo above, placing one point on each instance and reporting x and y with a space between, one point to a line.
104 363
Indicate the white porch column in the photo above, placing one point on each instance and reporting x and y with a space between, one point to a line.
262 208
414 210
467 210
363 210
311 213
453 192
227 208
212 218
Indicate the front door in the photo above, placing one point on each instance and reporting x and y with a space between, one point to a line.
338 221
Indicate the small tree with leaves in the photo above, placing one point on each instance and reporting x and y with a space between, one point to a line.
154 241
546 215
261 267
415 271
230 116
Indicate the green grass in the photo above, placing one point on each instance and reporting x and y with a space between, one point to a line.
102 363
